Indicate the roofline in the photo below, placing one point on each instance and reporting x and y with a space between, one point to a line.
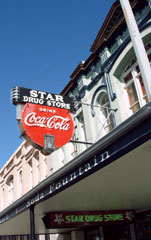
95 46
105 24
81 67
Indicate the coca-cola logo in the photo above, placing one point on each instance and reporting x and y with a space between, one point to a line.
56 122
40 120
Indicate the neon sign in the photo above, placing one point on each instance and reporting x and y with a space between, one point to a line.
70 219
20 95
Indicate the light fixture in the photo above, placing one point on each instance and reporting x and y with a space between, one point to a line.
49 143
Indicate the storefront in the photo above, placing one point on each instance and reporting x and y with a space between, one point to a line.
96 225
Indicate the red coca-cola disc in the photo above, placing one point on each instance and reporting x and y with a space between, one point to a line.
38 121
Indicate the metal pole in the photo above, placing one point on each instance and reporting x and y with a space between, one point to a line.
32 223
138 45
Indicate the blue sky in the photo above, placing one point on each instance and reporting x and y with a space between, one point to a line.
41 43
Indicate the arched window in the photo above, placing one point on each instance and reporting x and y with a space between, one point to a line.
105 112
20 182
2 198
36 156
10 184
81 131
30 174
45 166
75 150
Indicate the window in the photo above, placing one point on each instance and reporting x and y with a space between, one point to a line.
75 150
37 167
10 184
30 174
20 183
135 89
2 199
45 166
105 112
132 93
81 131
81 124
134 86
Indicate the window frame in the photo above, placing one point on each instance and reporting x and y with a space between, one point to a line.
138 84
10 185
104 119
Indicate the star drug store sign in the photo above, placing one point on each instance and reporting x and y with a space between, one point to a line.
42 115
70 219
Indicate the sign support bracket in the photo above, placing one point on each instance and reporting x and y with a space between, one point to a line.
75 141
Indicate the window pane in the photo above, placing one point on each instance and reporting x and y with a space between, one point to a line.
142 84
143 88
106 111
132 94
135 107
131 90
128 78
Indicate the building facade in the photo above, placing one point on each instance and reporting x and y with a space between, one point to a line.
98 171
